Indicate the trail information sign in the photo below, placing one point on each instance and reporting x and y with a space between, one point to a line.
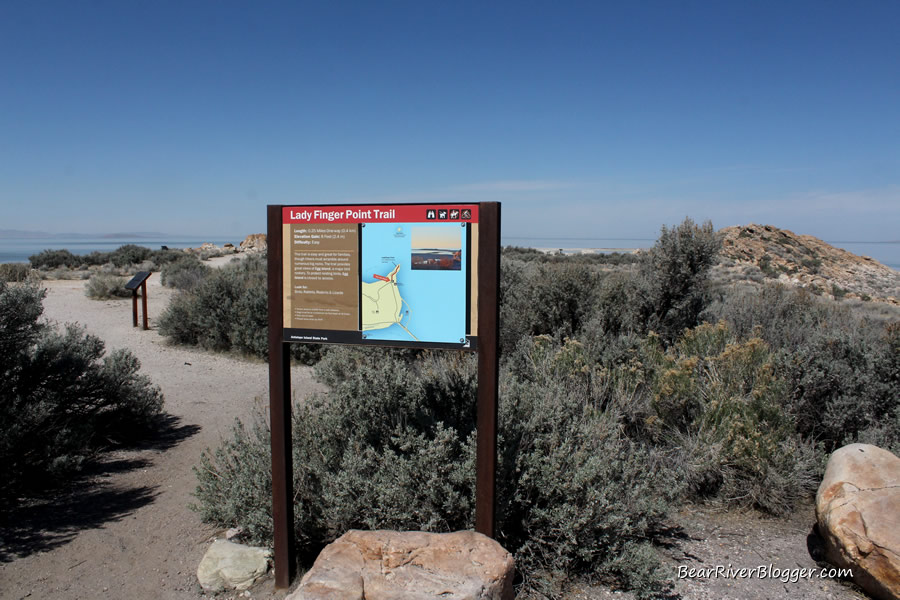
415 275
391 275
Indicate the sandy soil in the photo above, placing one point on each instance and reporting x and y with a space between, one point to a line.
125 531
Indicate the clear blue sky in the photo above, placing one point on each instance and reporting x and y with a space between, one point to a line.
586 119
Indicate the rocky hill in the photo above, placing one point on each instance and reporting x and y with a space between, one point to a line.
803 260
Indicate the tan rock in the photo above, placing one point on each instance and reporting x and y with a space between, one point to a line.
227 565
858 511
392 565
255 242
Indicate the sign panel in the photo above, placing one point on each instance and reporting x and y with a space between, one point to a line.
392 275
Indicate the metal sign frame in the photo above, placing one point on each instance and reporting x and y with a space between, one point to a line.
487 334
139 281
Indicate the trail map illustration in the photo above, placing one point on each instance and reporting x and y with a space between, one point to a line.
406 299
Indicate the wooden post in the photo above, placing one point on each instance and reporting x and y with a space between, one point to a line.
134 306
280 409
488 365
144 304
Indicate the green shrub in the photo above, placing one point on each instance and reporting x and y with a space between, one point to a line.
102 286
844 388
544 298
391 445
61 399
129 254
224 310
723 401
784 316
590 258
123 257
184 273
53 259
14 272
672 290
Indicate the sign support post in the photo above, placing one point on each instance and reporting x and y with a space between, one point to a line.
280 409
488 365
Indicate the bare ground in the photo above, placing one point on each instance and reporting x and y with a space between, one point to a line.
125 529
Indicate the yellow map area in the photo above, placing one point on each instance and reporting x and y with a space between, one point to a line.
382 305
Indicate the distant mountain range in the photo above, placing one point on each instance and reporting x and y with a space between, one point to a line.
29 235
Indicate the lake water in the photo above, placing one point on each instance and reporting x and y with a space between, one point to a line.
18 250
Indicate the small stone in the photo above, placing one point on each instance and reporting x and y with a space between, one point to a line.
227 565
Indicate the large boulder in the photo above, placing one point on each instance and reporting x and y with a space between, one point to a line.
393 565
858 511
227 565
255 242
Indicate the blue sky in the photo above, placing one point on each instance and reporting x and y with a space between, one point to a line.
586 119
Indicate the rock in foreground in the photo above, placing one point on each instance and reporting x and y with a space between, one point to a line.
383 565
858 510
227 565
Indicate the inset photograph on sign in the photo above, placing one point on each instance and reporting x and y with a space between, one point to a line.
436 248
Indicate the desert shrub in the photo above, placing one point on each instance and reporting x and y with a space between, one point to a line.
164 257
14 272
61 399
207 316
580 497
534 255
129 254
102 286
391 445
53 259
544 298
617 308
673 287
226 310
784 316
724 401
184 273
844 387
123 257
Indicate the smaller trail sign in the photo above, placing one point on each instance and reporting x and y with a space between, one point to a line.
388 275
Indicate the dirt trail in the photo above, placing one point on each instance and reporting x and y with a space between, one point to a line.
127 532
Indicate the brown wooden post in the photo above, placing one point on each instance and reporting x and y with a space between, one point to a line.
144 304
134 306
488 365
280 409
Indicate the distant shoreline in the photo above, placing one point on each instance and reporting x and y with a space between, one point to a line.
19 249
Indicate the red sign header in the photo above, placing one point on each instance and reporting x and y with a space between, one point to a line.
382 213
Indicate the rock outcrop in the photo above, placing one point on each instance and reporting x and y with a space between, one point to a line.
806 261
385 565
227 565
255 242
858 512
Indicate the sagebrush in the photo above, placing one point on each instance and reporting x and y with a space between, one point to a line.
62 398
